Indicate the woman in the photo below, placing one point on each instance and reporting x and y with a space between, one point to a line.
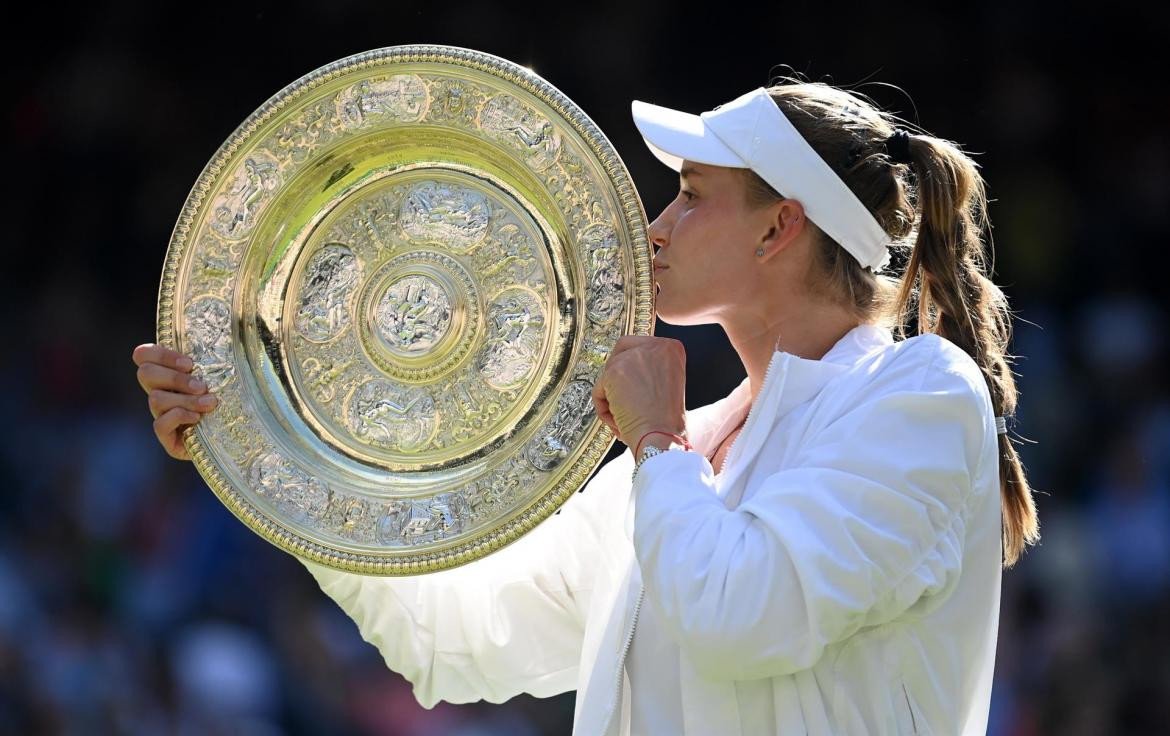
818 552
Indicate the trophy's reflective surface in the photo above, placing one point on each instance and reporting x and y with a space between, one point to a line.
401 276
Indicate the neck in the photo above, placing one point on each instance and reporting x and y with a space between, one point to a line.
809 335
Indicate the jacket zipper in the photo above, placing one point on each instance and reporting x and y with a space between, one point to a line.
913 720
622 658
642 588
751 410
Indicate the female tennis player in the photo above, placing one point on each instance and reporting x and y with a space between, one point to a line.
820 551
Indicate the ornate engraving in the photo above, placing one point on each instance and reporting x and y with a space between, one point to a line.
371 225
504 486
402 418
606 286
509 258
323 301
402 97
438 212
234 212
220 258
454 101
301 136
209 340
419 522
321 376
413 314
508 119
574 411
470 407
240 438
349 517
288 488
453 336
515 337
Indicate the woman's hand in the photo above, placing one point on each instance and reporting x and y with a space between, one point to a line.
174 396
643 388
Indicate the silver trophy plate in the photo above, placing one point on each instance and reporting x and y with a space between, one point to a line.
402 276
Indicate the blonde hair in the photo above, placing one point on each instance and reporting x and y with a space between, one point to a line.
935 211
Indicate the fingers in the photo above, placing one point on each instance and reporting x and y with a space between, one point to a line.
601 404
174 396
168 430
626 342
161 401
604 414
154 353
153 376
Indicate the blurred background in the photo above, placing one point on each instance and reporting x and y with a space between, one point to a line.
133 602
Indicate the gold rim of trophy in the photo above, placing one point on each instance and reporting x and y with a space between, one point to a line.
233 218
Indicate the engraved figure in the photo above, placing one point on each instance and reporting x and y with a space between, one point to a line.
531 133
413 314
445 213
209 339
509 355
329 278
235 210
349 517
391 521
426 521
320 377
384 414
374 220
288 487
510 258
402 97
606 284
556 443
298 137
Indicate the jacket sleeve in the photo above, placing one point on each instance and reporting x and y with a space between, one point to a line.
507 623
868 521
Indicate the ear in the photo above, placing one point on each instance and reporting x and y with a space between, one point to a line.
783 223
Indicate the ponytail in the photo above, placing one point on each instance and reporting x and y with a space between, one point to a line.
947 291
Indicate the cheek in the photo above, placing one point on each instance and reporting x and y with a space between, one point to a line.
694 227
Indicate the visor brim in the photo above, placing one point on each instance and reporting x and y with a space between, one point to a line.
674 136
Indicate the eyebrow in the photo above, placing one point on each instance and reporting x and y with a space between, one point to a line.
689 171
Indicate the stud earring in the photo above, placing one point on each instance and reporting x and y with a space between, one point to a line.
760 251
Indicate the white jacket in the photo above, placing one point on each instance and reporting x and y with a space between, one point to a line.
841 575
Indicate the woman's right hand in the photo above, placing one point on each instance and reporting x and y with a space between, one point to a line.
175 397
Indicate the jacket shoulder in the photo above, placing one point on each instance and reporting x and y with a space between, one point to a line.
941 359
917 359
929 365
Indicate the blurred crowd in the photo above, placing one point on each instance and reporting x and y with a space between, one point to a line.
132 601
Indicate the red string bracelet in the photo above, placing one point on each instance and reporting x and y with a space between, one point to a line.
685 442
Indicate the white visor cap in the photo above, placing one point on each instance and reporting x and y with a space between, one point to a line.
751 132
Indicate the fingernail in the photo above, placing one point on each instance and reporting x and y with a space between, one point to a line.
208 400
185 363
195 384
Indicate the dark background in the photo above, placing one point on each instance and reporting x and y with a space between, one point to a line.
133 602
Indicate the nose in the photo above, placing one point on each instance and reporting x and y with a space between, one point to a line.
659 230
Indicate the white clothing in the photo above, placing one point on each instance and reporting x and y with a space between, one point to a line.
812 587
652 666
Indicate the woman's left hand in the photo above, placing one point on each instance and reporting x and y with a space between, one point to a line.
643 388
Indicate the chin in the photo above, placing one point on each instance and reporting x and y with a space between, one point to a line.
674 318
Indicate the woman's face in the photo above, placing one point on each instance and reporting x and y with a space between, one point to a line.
707 239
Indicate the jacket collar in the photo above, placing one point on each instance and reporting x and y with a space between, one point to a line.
789 381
